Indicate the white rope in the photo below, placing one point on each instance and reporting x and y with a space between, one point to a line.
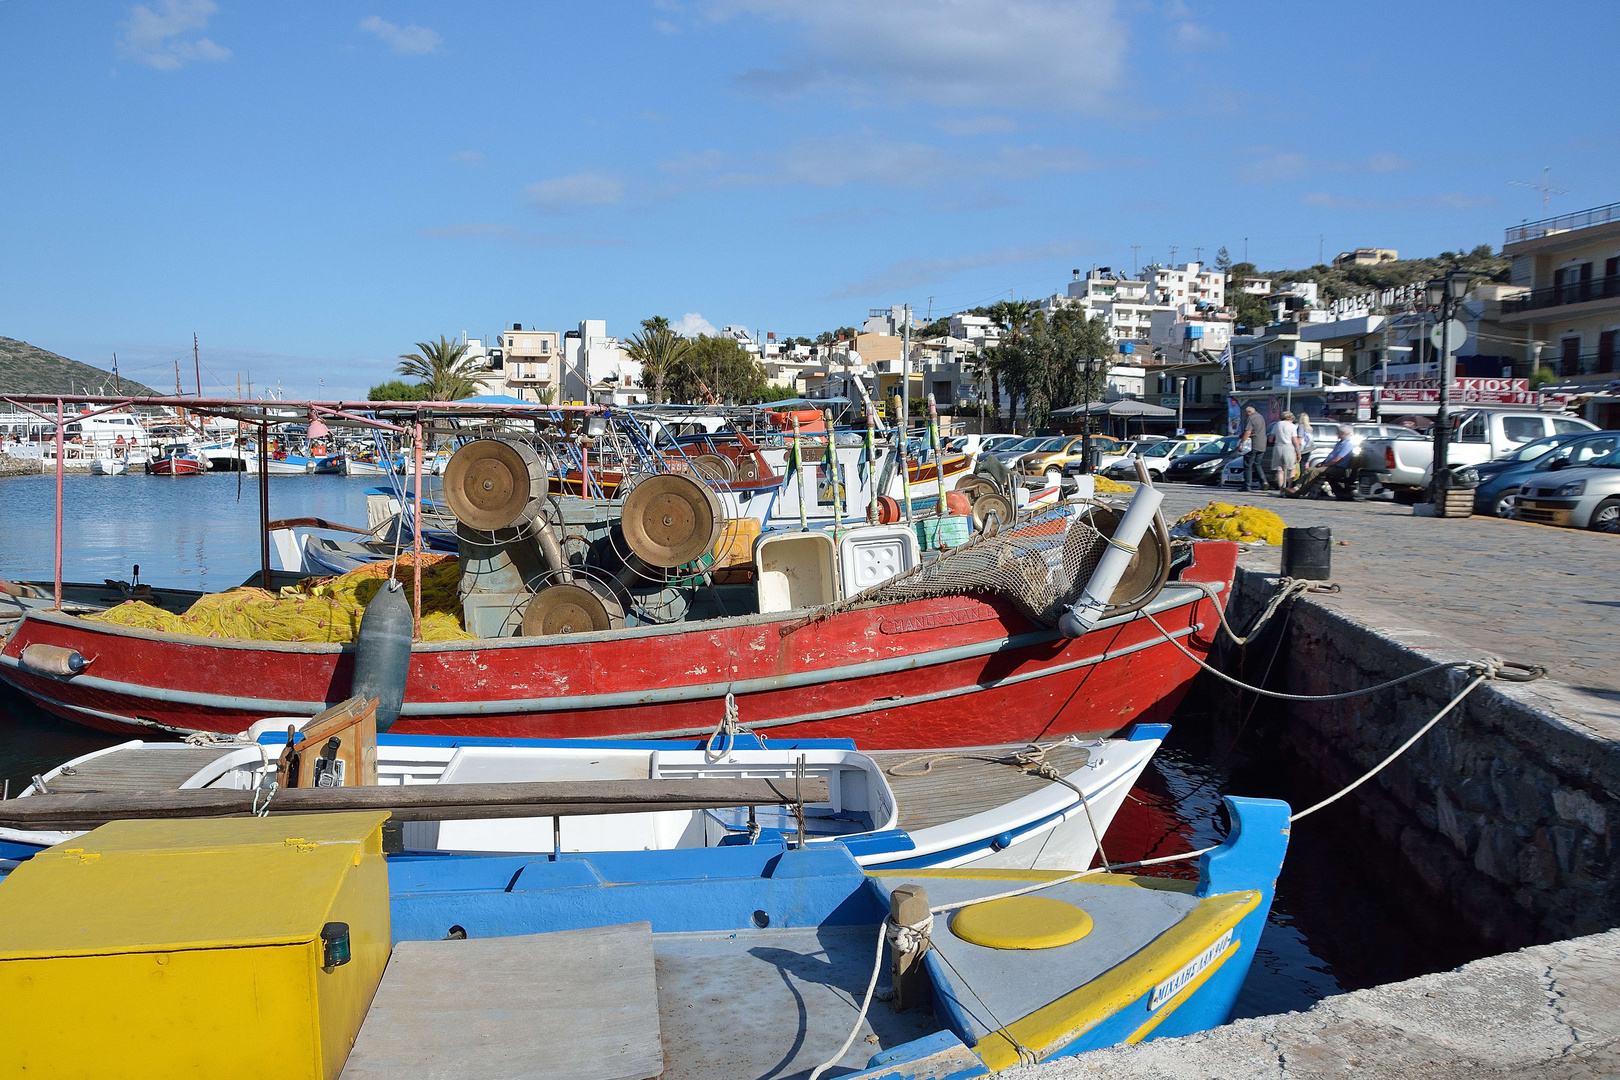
866 1003
1398 751
729 726
270 793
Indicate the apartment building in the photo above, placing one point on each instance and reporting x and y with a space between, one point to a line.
1570 315
1191 284
1365 257
529 362
597 368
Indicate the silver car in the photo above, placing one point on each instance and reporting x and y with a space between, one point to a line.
1587 497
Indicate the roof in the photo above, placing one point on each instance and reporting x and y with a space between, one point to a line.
1122 407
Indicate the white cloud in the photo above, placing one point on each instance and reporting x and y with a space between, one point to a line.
1045 54
1291 165
693 325
562 193
1190 37
911 273
158 36
468 157
409 40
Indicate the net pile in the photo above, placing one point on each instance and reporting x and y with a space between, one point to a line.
1041 565
1223 521
315 610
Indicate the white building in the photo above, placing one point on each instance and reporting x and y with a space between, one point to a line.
1125 305
978 331
1184 337
597 368
1191 285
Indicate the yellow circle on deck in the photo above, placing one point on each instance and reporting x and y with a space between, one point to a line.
1021 922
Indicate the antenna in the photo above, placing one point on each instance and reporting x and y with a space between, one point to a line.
1545 187
1134 249
1198 255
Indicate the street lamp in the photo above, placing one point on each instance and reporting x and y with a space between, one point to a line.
1085 431
1445 293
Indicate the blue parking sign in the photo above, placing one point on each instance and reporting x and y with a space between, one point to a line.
1290 371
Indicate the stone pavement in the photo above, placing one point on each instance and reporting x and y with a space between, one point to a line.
1528 593
1549 1011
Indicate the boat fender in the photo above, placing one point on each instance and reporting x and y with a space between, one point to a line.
1085 613
382 652
53 660
1001 841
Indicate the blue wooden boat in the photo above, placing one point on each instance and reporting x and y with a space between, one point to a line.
762 956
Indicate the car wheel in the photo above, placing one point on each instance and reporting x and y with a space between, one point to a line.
1606 518
1503 506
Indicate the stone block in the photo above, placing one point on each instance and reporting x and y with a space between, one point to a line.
1572 804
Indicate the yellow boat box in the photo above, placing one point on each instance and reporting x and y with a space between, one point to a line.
223 947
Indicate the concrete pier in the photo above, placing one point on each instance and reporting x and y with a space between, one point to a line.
1504 817
1550 1012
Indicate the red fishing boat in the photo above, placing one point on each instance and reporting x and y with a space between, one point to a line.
176 461
945 671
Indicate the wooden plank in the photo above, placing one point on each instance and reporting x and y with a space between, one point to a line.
138 768
425 802
964 781
576 1004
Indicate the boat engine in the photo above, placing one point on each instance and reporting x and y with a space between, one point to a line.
515 577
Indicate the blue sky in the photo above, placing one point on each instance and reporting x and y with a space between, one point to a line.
311 187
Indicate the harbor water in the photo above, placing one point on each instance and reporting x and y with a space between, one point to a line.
1330 929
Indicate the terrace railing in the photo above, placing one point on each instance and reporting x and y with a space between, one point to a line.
1580 219
1571 292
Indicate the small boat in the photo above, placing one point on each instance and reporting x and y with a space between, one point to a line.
1008 806
303 943
109 466
330 464
177 460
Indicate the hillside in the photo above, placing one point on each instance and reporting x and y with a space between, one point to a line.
27 369
1333 282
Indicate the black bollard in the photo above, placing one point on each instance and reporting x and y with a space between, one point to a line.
1307 553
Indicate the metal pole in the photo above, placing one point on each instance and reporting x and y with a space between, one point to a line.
905 377
1181 401
264 504
1442 434
61 424
1085 430
416 540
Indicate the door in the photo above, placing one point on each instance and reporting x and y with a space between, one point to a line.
1569 357
1605 359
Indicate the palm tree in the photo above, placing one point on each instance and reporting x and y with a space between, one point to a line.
659 350
443 368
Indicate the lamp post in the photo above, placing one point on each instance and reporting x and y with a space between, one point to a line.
1085 431
1445 293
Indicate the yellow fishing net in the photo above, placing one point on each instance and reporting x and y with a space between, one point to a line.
326 609
1106 486
1223 521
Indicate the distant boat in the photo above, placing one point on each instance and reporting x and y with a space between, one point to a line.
177 460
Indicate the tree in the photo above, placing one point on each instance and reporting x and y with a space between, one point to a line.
397 390
442 368
1223 260
939 328
720 365
659 350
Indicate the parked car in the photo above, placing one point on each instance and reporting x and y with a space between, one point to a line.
1327 437
1158 456
1204 465
1009 453
1136 445
1070 449
1582 497
1499 488
1478 435
971 444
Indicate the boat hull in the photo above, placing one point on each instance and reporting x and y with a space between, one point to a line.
950 671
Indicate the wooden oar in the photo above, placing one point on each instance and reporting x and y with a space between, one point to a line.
415 802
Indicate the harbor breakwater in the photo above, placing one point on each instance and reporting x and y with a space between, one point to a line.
1503 816
18 466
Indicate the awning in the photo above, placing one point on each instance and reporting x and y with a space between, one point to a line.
1124 407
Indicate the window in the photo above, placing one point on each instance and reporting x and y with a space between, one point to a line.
1520 429
1563 425
1584 453
1472 429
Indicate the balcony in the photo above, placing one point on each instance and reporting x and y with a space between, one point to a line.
1572 292
1581 219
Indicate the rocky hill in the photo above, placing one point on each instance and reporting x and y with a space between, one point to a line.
27 369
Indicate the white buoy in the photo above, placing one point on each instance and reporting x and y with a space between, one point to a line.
1086 612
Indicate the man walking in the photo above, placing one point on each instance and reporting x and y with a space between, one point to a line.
1253 446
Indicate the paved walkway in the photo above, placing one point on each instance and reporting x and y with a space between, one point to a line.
1529 593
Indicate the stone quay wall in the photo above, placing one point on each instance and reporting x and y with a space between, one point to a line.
16 466
1504 815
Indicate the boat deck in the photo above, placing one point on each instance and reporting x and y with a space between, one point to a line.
138 768
962 782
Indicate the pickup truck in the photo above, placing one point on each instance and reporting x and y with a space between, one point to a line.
1405 465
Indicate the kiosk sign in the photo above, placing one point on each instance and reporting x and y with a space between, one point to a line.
1463 391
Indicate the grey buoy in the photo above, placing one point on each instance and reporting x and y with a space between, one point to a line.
382 652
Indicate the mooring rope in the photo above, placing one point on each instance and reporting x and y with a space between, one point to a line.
1487 670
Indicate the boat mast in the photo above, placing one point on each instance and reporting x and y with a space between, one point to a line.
196 362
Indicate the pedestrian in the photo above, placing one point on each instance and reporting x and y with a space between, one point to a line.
1284 449
1307 438
1253 447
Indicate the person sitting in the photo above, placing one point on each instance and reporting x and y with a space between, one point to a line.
1341 466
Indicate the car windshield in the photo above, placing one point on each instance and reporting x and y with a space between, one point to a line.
1051 446
1220 446
1021 445
1532 450
1160 449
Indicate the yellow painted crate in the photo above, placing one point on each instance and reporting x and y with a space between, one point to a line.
194 948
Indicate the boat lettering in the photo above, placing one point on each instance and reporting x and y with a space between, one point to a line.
1178 982
907 624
